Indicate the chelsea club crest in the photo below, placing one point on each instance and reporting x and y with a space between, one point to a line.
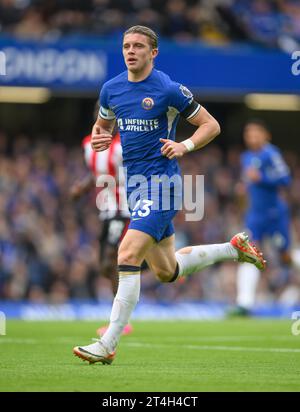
147 103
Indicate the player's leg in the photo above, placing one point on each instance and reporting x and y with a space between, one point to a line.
108 257
161 259
112 233
109 270
248 275
191 259
280 237
116 231
108 263
195 258
167 264
132 251
109 266
284 240
135 246
277 229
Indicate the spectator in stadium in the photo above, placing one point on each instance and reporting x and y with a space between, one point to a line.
223 217
32 25
272 23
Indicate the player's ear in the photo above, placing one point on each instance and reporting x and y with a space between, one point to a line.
154 53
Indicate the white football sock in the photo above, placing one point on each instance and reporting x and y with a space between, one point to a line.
124 303
200 257
247 280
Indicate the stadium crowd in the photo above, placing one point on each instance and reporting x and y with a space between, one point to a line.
272 23
49 243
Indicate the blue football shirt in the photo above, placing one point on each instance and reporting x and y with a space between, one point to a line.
145 112
264 197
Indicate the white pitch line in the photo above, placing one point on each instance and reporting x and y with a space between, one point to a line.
213 338
73 339
195 339
212 347
70 339
226 338
20 341
280 337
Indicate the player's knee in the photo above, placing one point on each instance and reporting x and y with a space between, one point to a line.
163 275
127 257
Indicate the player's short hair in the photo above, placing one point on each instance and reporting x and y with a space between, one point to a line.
258 122
146 31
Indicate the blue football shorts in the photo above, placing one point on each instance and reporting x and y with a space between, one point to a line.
276 228
156 223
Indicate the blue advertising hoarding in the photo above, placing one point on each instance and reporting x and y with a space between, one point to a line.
83 64
91 310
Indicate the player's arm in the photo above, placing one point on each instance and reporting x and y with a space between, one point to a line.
102 134
275 173
80 187
207 129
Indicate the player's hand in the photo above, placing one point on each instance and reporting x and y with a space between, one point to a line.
172 149
75 191
100 141
253 174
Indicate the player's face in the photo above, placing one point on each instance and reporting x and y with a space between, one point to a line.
138 53
255 136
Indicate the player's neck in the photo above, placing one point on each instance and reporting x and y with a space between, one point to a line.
259 148
140 76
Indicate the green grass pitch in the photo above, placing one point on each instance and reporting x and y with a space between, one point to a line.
227 355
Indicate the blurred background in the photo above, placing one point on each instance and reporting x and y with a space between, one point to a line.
239 57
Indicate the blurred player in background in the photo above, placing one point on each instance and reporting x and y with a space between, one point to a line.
264 173
147 104
114 215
